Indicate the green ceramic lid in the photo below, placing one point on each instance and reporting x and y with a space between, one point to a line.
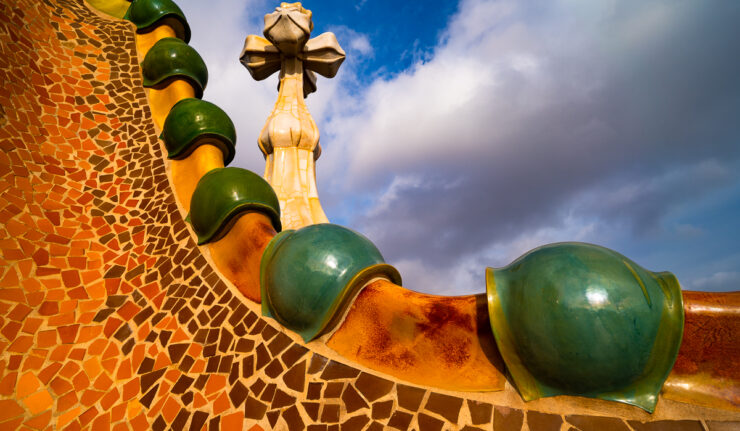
309 277
579 319
171 58
147 14
194 122
223 194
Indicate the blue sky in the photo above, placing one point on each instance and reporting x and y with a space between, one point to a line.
460 135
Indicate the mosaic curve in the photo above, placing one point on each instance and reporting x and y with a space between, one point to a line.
112 318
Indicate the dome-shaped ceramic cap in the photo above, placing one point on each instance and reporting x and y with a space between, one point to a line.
579 319
171 58
194 122
309 277
147 14
223 194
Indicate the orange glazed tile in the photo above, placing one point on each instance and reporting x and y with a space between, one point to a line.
102 422
96 347
11 330
215 383
69 370
31 325
68 417
109 365
71 278
199 401
170 410
9 409
139 423
124 370
19 312
67 306
256 428
40 421
60 386
90 397
111 325
47 373
81 381
21 344
32 363
60 353
109 399
66 401
163 360
233 421
77 354
221 404
67 334
103 382
111 352
92 367
88 416
154 411
88 333
7 384
128 311
27 384
38 402
12 424
164 388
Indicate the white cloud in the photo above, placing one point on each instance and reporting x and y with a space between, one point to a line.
723 281
361 44
526 124
556 124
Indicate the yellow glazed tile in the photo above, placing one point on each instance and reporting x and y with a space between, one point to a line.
162 100
187 172
38 402
27 384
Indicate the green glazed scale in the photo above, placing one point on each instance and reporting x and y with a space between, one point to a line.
147 14
310 276
194 122
171 58
225 193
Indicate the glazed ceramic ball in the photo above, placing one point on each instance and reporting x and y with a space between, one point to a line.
579 319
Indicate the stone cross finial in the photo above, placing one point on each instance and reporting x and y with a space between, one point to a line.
290 139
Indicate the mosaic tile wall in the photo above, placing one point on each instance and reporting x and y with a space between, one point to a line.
110 316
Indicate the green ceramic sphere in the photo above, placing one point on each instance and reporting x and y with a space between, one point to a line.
171 58
308 277
148 14
579 319
223 194
194 122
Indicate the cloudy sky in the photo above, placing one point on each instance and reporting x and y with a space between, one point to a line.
460 135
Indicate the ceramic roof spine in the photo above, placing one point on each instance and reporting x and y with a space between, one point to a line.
193 122
579 319
171 58
148 14
224 194
309 277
